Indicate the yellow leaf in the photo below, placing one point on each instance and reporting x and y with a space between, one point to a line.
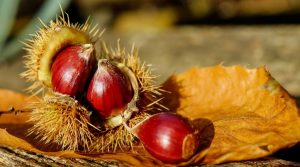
12 100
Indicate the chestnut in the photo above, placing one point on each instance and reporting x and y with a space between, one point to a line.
71 68
168 137
109 91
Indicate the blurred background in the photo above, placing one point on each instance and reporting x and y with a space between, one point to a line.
173 35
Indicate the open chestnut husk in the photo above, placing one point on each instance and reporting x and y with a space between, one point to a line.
46 44
65 113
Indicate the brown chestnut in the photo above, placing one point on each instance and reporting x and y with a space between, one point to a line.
168 137
71 68
109 91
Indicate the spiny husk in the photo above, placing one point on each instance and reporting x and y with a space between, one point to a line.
41 44
149 97
150 93
57 118
62 120
118 138
55 123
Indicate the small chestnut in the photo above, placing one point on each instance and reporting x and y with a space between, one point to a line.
109 91
167 136
71 68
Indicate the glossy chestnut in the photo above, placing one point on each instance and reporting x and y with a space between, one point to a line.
168 137
109 91
71 68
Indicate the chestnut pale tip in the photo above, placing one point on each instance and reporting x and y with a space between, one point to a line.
87 51
189 146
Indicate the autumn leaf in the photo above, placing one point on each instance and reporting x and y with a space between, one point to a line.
11 100
245 112
240 113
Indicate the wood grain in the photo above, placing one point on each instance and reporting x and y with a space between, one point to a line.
17 157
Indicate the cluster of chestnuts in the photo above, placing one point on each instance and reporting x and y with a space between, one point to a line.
107 89
62 59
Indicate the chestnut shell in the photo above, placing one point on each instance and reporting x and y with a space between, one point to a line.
71 68
109 91
168 137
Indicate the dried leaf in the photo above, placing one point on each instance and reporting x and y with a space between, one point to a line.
10 100
242 113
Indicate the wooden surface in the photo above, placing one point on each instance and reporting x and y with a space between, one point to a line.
15 157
